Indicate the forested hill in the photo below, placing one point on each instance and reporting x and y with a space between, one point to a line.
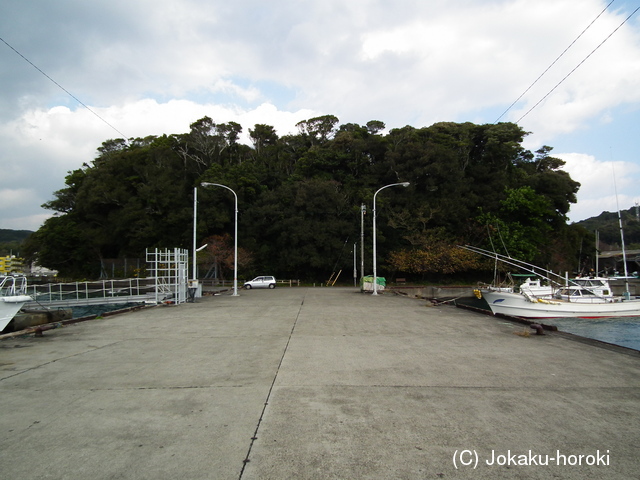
607 224
7 235
11 241
300 197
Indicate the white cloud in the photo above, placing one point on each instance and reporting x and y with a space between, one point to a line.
11 198
29 222
154 67
45 144
600 181
11 201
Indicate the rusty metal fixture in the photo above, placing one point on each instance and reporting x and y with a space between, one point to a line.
538 328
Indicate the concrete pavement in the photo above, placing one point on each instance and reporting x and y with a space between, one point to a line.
314 383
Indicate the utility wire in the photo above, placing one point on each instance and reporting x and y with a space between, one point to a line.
576 67
62 88
553 63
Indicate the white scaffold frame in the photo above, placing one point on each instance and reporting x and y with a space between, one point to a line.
169 269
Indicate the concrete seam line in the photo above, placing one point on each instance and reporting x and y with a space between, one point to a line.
264 408
59 359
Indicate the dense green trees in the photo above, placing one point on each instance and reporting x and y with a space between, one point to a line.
608 226
299 198
11 241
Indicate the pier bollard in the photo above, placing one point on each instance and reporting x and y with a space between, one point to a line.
538 328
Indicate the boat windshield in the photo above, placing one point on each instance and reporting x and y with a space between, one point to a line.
576 292
590 282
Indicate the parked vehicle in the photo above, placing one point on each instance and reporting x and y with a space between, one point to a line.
261 282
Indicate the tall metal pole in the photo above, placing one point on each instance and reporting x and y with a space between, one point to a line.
627 294
235 235
375 271
363 210
597 253
195 214
235 249
355 266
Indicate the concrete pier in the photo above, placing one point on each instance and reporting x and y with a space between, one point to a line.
315 383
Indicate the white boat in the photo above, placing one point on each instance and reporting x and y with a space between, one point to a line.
583 306
587 297
535 287
13 296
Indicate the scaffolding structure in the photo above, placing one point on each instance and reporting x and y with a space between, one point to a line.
169 269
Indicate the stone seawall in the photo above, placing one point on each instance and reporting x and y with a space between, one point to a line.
434 292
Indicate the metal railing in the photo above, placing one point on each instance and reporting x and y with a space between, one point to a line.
11 286
291 283
94 292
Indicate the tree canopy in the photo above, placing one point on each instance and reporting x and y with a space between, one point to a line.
299 198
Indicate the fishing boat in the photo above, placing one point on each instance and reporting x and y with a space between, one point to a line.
13 296
568 302
586 297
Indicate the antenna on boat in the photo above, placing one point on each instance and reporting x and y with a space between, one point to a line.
597 252
495 263
502 240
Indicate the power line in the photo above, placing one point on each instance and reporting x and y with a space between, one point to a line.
553 63
576 67
62 88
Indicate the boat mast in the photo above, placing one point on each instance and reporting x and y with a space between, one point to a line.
627 295
624 259
597 252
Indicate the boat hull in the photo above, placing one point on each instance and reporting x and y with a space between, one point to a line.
518 305
9 306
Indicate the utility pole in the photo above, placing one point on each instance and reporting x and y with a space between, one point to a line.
363 211
355 266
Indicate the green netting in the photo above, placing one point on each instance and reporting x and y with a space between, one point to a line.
369 279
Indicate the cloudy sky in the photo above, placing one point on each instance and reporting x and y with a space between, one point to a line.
149 67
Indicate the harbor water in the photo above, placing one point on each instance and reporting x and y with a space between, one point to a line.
623 331
87 310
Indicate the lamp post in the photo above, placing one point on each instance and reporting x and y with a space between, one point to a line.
195 214
235 236
363 210
194 276
355 266
375 272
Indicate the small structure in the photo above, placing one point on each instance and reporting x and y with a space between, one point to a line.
169 269
10 265
612 261
366 283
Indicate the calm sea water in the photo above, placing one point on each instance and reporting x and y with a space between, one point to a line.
619 331
87 310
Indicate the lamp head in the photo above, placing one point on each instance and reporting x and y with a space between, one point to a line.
405 184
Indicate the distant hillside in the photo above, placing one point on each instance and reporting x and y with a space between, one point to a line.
13 235
608 226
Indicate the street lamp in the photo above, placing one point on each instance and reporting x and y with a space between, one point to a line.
375 272
193 284
195 214
363 210
235 236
